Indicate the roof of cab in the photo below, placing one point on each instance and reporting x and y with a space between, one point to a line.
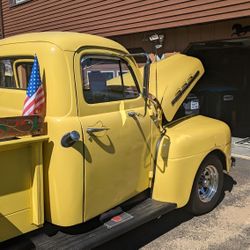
70 41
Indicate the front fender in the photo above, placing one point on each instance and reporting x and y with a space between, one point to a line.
181 153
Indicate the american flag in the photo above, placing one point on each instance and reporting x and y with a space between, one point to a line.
35 97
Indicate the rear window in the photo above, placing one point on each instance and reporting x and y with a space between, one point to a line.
15 73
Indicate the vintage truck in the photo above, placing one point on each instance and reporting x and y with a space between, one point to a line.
114 155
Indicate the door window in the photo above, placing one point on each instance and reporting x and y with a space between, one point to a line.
107 79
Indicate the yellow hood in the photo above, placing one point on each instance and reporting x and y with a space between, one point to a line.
172 79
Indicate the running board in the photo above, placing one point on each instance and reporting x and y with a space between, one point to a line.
118 225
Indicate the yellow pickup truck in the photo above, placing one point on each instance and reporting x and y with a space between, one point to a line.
114 154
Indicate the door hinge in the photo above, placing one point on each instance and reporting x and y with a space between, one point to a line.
151 174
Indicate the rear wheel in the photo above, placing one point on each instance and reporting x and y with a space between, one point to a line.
207 186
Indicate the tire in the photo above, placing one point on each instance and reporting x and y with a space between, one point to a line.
207 186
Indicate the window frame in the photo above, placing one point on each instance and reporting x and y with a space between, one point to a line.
15 65
13 3
115 58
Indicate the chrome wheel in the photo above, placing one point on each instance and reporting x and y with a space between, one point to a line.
207 187
208 183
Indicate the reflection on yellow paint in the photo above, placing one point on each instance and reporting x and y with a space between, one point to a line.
122 112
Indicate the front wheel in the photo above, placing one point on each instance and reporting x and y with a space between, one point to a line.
207 186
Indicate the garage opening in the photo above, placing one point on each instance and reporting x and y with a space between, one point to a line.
224 90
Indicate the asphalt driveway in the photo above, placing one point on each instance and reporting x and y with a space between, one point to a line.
226 227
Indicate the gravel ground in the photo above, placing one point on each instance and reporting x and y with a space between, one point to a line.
226 227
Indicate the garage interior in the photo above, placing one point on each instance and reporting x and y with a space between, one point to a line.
224 90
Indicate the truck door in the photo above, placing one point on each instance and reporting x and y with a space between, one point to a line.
116 134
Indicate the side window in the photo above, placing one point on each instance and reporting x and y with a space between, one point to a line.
7 79
17 2
107 79
23 70
15 73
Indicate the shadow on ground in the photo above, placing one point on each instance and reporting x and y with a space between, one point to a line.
143 235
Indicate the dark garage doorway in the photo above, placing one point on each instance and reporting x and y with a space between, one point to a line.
224 90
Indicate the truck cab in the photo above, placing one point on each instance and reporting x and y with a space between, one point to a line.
111 128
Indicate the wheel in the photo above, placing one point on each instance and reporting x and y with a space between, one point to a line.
207 186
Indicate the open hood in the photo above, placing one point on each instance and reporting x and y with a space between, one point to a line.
172 79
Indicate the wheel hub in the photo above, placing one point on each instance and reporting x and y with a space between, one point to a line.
208 183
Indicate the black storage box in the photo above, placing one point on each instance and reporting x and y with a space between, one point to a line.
219 103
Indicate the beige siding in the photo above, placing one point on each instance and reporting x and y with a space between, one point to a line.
116 17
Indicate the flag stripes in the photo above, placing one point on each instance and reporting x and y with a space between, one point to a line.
35 97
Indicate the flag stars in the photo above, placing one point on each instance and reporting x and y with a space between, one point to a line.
35 80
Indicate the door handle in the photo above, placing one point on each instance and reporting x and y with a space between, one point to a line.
94 130
133 114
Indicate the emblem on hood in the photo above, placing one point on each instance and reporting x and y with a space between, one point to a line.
185 86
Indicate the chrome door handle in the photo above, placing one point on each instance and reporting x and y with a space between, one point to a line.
94 130
133 114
